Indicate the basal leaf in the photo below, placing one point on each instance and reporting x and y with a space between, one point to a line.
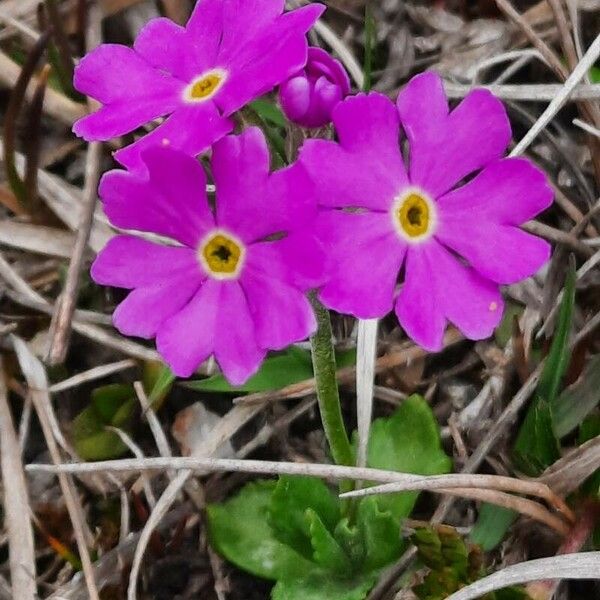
324 587
110 405
350 538
277 371
380 535
290 500
408 442
239 530
158 380
327 553
108 399
491 526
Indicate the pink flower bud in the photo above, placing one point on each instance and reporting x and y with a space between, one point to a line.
309 97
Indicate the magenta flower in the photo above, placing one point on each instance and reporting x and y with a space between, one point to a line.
229 53
309 97
455 241
235 285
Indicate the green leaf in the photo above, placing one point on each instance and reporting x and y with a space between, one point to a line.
291 366
276 372
158 380
537 446
491 526
350 538
504 331
291 499
574 404
326 551
319 586
239 530
380 535
110 405
269 111
559 356
595 74
409 442
108 399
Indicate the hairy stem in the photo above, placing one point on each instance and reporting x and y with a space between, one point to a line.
323 359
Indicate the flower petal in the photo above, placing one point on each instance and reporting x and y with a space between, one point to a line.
171 201
131 262
251 202
187 339
191 129
146 308
502 253
272 53
132 92
509 191
298 260
446 147
236 348
438 287
366 168
206 28
366 256
281 314
417 307
169 47
479 220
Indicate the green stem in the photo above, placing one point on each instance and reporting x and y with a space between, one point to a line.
323 358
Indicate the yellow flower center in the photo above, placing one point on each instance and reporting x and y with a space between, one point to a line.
414 216
222 255
205 86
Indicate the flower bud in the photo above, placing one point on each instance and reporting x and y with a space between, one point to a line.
309 97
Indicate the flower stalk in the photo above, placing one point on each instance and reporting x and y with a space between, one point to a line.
323 358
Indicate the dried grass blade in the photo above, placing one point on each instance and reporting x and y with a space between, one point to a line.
579 72
38 386
16 505
583 565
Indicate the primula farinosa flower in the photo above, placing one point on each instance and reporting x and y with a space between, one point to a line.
229 53
235 286
455 241
309 97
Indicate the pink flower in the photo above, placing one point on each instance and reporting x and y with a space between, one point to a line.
234 286
229 53
455 239
309 97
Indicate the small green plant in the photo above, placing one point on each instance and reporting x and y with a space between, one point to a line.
298 533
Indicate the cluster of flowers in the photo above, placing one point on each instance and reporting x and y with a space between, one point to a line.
350 218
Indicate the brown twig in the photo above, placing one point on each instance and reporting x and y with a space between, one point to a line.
60 328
